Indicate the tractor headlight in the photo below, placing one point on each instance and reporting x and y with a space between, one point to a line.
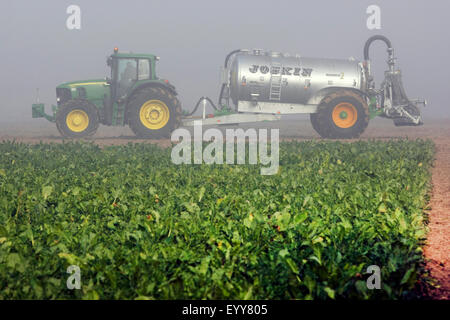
63 95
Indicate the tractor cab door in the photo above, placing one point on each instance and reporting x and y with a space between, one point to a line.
126 75
123 77
125 72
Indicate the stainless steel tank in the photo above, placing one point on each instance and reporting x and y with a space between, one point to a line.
273 77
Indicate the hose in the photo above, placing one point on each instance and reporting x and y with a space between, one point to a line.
372 39
226 66
198 103
227 58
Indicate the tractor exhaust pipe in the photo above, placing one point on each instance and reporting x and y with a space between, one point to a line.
394 101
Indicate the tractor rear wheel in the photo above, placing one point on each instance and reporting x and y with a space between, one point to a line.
154 113
343 114
77 119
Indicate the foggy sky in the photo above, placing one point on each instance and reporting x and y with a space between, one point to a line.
193 37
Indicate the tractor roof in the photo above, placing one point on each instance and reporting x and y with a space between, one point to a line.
133 55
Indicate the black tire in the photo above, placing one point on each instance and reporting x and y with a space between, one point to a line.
315 124
138 101
82 106
327 126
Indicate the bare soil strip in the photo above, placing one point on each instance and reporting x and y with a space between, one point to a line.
437 249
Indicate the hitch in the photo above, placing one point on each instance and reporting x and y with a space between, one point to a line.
38 111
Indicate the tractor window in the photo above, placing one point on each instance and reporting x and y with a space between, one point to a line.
127 69
144 69
127 74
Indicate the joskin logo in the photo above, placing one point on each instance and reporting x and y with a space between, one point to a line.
285 71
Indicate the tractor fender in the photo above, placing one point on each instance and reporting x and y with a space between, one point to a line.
162 85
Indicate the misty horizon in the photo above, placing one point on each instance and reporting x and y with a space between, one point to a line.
193 38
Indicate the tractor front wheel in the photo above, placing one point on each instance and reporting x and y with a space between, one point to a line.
154 113
77 119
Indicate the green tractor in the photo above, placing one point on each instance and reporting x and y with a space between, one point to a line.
133 96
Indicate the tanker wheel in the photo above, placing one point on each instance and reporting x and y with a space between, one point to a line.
77 119
343 114
315 124
154 113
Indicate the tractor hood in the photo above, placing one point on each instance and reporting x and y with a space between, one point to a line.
83 83
93 90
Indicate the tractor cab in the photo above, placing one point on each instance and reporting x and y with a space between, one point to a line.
128 72
128 69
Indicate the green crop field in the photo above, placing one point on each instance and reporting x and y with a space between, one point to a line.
140 227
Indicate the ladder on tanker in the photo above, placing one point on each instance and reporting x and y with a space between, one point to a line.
275 81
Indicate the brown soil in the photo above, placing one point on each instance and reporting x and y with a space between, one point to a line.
437 249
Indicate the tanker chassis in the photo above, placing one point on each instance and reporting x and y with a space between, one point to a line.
339 95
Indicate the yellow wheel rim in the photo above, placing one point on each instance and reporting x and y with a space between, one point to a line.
154 114
344 115
77 120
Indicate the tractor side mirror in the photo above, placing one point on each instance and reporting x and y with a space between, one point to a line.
109 61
